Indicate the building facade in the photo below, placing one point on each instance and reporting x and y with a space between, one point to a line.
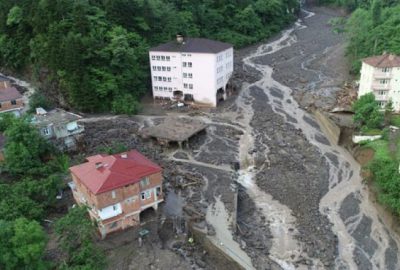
58 125
191 70
117 188
381 76
10 99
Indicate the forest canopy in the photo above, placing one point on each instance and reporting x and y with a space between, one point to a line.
91 55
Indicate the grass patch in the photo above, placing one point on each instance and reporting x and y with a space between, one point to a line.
395 121
372 132
380 147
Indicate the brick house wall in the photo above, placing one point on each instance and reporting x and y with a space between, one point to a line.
7 105
129 197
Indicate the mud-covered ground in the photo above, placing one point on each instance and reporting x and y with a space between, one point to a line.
301 203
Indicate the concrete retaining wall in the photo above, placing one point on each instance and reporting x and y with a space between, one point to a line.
360 138
328 127
214 254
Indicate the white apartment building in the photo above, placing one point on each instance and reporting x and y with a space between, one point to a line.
381 75
191 69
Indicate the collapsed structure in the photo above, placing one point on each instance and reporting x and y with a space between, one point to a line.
59 126
117 188
175 130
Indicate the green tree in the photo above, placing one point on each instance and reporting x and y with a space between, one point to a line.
388 112
23 244
25 148
367 112
14 16
376 10
76 234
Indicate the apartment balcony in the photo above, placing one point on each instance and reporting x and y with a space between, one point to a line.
380 86
381 97
382 75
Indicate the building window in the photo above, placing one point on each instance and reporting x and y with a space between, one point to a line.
185 75
189 64
383 81
190 75
153 57
163 58
185 85
155 88
159 68
219 58
190 86
159 78
386 69
155 78
165 88
158 57
170 89
164 79
113 195
154 68
183 64
0 104
168 58
46 131
113 225
381 92
164 68
130 199
219 81
158 191
13 102
169 79
168 68
144 182
219 69
145 195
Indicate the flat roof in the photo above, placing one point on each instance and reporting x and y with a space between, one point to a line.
175 129
193 45
56 116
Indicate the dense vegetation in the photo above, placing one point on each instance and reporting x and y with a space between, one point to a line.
372 29
92 54
370 119
32 177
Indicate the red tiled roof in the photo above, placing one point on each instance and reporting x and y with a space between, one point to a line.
115 171
382 61
9 93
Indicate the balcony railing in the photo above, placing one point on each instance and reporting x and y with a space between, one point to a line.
381 97
382 75
380 86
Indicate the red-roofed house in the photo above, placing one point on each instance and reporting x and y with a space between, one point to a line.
381 76
116 188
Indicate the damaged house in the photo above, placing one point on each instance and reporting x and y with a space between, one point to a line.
117 188
10 99
59 126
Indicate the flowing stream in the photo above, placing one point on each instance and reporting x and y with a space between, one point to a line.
345 183
347 202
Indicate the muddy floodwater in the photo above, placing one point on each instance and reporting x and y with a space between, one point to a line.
301 201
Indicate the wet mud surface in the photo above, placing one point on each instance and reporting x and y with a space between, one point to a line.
301 202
